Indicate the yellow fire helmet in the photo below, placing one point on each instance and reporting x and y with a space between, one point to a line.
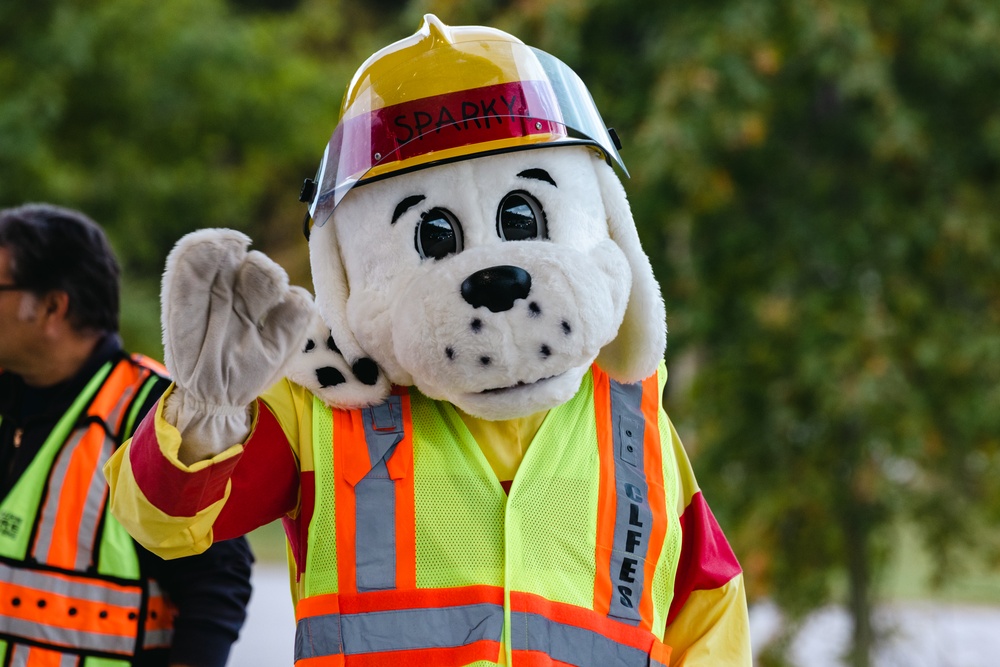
449 93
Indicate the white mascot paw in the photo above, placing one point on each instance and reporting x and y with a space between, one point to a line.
321 368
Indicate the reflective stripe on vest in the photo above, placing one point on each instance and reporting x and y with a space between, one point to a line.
71 611
373 618
35 656
375 528
159 618
64 605
77 488
376 488
631 513
447 627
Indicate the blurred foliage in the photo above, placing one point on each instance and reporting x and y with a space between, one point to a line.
817 183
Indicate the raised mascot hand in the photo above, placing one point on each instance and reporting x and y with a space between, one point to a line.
230 323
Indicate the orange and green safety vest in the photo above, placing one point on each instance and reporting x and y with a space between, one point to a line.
417 556
71 590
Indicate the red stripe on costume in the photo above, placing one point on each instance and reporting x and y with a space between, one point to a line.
707 561
171 490
265 481
440 122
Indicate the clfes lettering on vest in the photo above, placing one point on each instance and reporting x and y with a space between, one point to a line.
414 125
633 540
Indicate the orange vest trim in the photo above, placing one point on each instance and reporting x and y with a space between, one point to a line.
354 462
631 509
442 627
379 617
75 503
73 609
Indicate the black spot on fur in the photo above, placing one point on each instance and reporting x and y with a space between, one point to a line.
566 328
329 376
310 345
534 310
545 351
450 352
485 361
366 370
330 345
477 325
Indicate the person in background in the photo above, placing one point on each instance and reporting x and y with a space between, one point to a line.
75 589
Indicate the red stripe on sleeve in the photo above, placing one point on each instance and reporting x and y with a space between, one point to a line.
707 561
265 482
171 490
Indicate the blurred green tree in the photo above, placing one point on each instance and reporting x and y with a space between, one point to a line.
160 118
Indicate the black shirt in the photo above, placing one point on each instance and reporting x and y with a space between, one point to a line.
210 590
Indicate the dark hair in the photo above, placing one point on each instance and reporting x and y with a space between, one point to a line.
55 248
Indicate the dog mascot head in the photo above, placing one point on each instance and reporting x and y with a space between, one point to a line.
468 233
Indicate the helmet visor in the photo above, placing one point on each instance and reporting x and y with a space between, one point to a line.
493 96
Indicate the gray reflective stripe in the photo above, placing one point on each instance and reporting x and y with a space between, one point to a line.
401 630
633 515
375 527
82 589
113 420
96 490
570 644
375 499
93 508
155 591
79 639
383 428
318 636
157 638
21 654
653 662
50 509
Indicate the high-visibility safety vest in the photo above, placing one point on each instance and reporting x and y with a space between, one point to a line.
416 556
71 591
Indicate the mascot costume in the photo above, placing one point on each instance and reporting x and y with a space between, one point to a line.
462 433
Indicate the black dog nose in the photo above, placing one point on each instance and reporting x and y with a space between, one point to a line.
496 288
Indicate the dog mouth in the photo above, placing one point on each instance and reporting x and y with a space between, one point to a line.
515 387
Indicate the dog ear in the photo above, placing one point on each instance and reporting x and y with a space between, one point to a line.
638 348
330 283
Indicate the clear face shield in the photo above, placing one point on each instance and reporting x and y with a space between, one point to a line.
485 97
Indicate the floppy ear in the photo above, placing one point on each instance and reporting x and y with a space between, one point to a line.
638 348
330 283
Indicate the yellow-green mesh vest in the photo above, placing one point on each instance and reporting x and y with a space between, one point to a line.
540 539
107 568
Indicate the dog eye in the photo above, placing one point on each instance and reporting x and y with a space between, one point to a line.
438 234
520 217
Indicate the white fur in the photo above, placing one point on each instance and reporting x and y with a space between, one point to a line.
592 287
324 371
